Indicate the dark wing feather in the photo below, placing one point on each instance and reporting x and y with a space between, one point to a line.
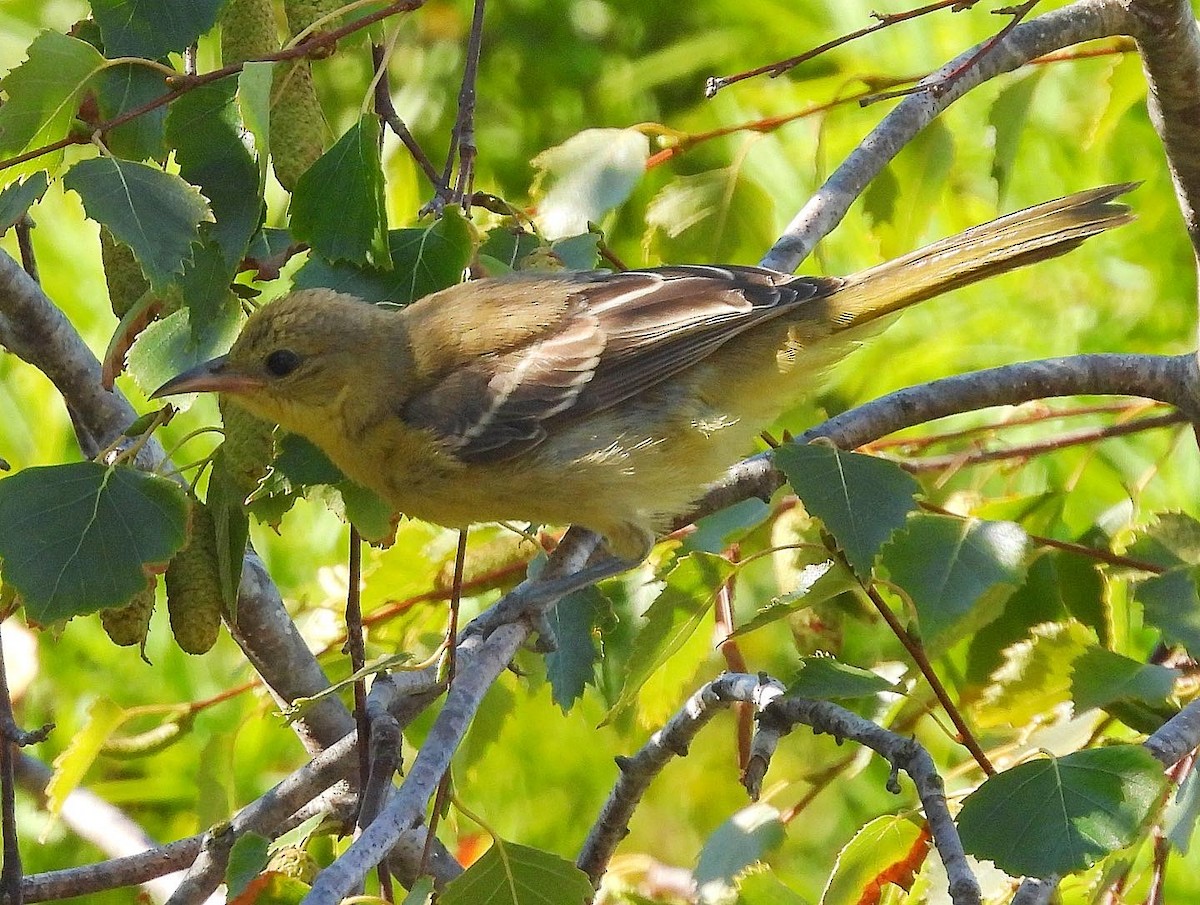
623 334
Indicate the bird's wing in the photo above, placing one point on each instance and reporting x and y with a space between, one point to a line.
619 334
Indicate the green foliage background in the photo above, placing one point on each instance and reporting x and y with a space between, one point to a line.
550 69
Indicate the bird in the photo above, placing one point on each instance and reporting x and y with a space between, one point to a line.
605 399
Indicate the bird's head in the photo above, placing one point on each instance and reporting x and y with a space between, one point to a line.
295 357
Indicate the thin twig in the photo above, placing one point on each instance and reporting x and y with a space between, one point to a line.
462 138
916 650
10 875
184 83
734 660
1041 447
715 84
941 86
356 648
387 112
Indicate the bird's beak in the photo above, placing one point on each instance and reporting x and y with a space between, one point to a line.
214 376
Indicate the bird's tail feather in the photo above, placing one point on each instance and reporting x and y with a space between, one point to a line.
1014 240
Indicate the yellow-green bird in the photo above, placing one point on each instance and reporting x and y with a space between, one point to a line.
608 400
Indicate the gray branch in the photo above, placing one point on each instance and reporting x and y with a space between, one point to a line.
904 754
1081 21
673 740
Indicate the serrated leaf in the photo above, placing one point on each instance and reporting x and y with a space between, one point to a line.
247 859
42 96
254 105
103 718
303 463
875 850
1171 603
958 572
511 874
580 252
122 88
586 176
1035 677
1100 677
713 532
509 245
862 500
354 228
170 346
152 28
1182 813
367 512
1006 118
156 214
571 666
1172 539
424 260
880 197
18 198
816 583
827 679
740 842
81 537
671 619
232 527
420 893
204 130
759 886
1084 805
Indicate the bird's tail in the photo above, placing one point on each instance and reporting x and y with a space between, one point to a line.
1006 243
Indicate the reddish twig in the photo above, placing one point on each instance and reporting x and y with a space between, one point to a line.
183 83
716 83
942 85
916 650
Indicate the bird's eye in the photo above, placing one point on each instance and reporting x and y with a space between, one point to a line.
282 362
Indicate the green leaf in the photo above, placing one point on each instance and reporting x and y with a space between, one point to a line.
882 844
580 252
571 666
156 214
42 96
759 886
1084 805
1007 118
740 842
1101 677
152 28
816 583
204 130
1171 603
81 537
511 874
247 859
103 718
424 259
18 198
671 619
862 500
1173 539
582 179
826 679
719 215
122 88
254 105
509 245
303 463
338 206
958 572
713 532
1038 600
1035 677
232 528
420 893
366 511
880 197
170 346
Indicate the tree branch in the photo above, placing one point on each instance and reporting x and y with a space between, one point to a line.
1169 43
1084 20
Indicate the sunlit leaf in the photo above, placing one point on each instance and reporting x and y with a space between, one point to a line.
510 874
1084 805
156 214
81 537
